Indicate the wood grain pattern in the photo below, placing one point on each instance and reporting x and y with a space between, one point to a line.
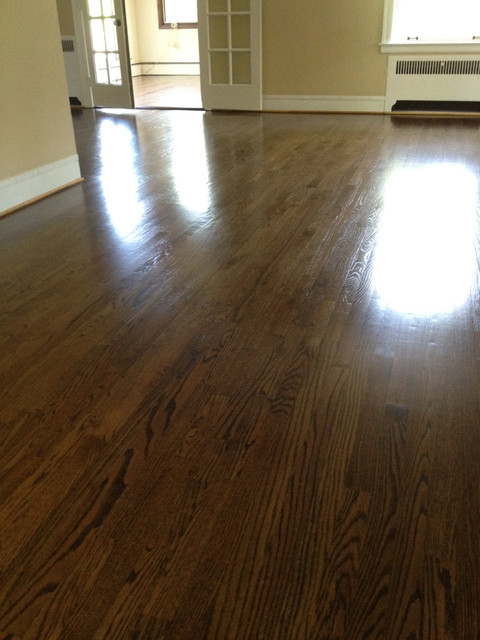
213 423
157 91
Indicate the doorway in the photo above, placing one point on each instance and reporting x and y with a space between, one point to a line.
228 53
164 56
162 91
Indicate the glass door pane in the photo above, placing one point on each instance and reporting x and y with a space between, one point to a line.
240 5
103 32
229 33
240 25
94 8
230 39
110 30
108 7
217 5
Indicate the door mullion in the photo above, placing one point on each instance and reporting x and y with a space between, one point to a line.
229 37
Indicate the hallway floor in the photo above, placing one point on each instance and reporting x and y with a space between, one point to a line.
179 92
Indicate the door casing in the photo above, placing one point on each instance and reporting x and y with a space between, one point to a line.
96 95
214 96
230 46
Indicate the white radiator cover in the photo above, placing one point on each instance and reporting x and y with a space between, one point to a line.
71 66
433 77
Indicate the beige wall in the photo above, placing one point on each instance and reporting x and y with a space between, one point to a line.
311 47
36 124
323 47
65 17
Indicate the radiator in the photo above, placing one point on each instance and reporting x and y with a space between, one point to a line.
71 68
430 78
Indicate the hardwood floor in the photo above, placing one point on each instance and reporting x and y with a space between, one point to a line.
240 383
177 92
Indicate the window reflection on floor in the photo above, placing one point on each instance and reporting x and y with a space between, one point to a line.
189 164
119 178
425 255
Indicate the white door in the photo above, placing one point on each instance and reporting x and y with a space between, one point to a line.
230 43
107 56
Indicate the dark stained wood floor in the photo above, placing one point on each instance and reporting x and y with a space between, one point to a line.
240 383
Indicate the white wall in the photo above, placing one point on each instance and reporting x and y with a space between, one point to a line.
151 48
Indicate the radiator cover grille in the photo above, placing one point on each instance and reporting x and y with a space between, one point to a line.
428 78
68 46
438 67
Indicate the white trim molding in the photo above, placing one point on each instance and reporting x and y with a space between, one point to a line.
165 69
407 29
352 104
443 77
16 191
430 47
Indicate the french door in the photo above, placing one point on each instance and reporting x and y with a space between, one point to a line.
105 36
230 37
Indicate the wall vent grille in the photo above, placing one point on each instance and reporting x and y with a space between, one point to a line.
438 67
68 46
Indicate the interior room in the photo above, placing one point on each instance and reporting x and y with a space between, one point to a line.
163 57
240 346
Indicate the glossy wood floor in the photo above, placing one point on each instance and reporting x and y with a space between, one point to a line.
240 386
177 92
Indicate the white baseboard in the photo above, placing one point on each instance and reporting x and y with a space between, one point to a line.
367 104
38 182
165 69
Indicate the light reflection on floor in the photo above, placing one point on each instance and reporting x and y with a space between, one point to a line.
120 179
425 256
189 164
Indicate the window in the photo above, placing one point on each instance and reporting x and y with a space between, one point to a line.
430 21
179 13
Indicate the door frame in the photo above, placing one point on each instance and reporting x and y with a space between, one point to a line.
81 47
227 93
85 71
84 64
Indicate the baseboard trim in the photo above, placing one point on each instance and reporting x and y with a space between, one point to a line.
41 197
348 104
27 187
165 69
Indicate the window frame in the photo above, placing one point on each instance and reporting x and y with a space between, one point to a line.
169 25
416 46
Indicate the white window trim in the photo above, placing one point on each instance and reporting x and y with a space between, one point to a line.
387 46
162 19
430 47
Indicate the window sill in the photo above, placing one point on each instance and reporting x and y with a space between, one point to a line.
430 47
178 25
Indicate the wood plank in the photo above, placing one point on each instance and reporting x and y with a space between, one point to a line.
214 422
